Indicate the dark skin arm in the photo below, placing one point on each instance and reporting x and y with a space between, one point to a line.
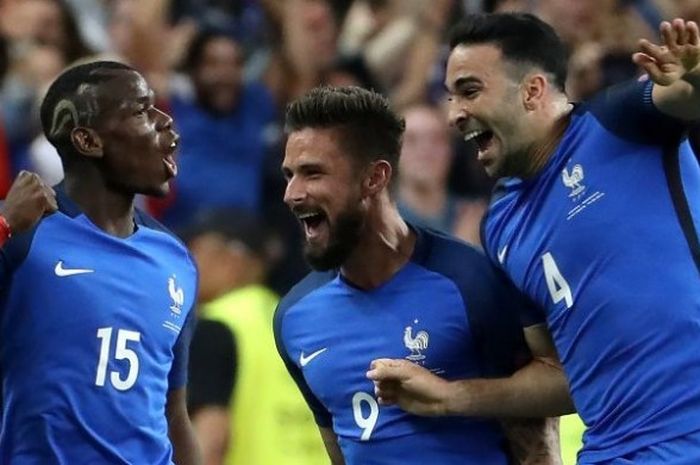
185 446
28 200
330 440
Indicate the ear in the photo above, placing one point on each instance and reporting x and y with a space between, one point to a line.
378 178
533 90
87 142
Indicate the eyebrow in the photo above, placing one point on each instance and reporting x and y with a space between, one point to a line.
150 97
147 99
463 81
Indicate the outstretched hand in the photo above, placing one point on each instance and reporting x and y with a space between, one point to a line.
411 387
27 201
678 55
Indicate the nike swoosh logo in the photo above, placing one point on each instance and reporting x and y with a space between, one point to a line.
502 254
60 271
303 361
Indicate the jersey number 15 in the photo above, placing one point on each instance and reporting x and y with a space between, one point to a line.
121 352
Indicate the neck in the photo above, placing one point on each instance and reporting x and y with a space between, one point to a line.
386 246
110 211
540 154
426 199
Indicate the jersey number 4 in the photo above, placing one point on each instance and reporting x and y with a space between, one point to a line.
121 352
558 287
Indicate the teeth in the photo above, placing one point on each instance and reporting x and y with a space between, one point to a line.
472 134
304 216
173 145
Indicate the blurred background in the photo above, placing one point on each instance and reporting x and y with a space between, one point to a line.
225 70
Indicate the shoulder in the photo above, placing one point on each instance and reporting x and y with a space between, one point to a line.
143 219
446 254
211 332
628 111
464 264
312 282
164 235
306 286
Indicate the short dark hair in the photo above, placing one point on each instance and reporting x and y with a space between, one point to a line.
522 38
369 129
68 103
195 52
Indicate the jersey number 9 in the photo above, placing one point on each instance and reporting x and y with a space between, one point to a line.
367 423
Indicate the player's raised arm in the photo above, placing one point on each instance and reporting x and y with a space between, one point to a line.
27 201
674 67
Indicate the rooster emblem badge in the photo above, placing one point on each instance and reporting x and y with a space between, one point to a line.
415 344
573 180
177 295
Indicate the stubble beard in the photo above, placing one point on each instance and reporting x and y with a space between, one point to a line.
343 238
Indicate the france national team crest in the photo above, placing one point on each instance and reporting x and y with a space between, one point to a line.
573 180
415 343
177 295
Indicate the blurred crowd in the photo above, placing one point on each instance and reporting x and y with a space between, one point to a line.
226 69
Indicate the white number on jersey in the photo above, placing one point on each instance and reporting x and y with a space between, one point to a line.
122 352
558 287
366 423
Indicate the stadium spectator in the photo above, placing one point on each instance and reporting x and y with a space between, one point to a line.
422 197
244 406
225 127
305 34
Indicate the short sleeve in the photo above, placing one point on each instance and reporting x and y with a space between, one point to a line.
178 371
628 111
212 366
13 253
498 318
321 415
495 309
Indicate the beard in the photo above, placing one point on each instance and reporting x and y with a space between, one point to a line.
343 238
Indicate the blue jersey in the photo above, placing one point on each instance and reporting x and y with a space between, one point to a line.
447 309
602 239
93 333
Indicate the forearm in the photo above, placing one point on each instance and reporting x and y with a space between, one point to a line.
185 447
211 425
539 389
681 99
533 441
330 441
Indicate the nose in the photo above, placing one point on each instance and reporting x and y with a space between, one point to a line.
163 121
457 115
294 193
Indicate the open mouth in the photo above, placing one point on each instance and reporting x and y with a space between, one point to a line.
313 223
482 138
169 160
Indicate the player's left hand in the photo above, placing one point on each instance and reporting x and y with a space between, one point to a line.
411 387
678 55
